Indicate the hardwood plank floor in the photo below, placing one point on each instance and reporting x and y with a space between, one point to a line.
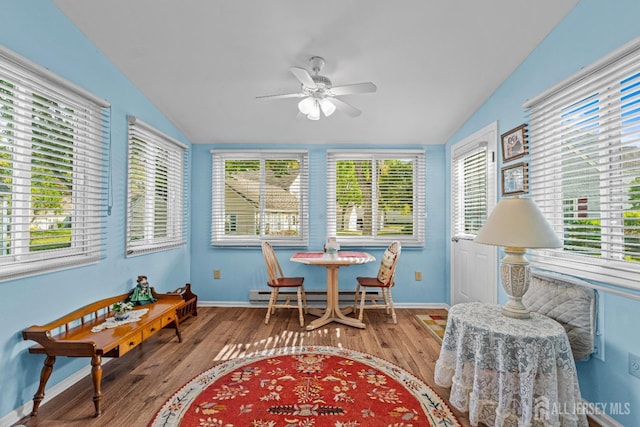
135 386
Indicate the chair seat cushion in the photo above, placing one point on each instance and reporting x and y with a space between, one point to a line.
287 282
370 281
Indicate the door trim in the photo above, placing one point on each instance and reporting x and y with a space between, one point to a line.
492 194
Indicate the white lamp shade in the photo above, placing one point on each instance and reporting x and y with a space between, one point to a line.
518 223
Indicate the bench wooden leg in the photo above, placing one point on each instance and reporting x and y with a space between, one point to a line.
44 377
96 376
177 326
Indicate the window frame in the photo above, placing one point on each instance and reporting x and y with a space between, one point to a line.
219 217
47 117
418 157
152 143
602 85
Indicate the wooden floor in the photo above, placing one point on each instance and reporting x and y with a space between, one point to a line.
135 386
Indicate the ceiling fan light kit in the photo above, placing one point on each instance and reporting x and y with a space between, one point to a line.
306 105
328 107
319 93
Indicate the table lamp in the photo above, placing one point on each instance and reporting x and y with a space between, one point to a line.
517 224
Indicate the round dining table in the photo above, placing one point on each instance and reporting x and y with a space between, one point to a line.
333 262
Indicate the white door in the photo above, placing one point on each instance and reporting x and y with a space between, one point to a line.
473 196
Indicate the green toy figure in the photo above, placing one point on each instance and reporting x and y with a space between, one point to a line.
142 293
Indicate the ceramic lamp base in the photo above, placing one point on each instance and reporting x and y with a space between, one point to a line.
515 274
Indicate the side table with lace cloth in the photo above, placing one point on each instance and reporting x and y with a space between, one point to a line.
509 372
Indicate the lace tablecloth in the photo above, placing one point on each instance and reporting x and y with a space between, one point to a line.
509 372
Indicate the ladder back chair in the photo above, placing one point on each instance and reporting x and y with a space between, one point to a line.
384 281
276 281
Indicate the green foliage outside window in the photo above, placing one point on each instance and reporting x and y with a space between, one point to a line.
393 196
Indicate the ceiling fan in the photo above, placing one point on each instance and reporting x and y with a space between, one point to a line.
320 95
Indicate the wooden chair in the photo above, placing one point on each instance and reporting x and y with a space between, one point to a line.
277 281
384 281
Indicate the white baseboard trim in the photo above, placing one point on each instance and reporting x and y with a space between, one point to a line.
601 418
245 304
17 414
421 305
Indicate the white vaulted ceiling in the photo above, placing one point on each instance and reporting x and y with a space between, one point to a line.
203 62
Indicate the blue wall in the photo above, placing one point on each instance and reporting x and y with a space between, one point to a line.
243 269
38 31
593 29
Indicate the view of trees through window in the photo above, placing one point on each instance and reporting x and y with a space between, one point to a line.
374 197
36 176
149 190
53 151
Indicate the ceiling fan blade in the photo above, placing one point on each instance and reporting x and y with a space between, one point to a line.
353 88
304 77
282 96
346 108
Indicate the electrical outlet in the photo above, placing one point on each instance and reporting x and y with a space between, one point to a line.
216 274
634 365
418 276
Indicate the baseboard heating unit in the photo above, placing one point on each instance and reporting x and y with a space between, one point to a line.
261 296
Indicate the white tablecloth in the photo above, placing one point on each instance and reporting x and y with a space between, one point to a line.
509 372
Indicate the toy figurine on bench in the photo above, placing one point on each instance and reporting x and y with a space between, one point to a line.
142 294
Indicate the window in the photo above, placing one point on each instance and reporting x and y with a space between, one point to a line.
375 198
585 169
53 154
471 187
156 205
260 196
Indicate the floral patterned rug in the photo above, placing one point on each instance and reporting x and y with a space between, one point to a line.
311 386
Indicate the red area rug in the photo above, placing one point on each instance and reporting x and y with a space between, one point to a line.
305 387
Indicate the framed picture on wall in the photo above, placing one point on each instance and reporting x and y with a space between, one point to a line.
514 143
515 179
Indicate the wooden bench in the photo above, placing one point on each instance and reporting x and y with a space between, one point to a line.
71 336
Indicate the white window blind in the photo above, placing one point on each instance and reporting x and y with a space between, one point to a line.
376 197
260 195
53 171
470 180
585 169
156 204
